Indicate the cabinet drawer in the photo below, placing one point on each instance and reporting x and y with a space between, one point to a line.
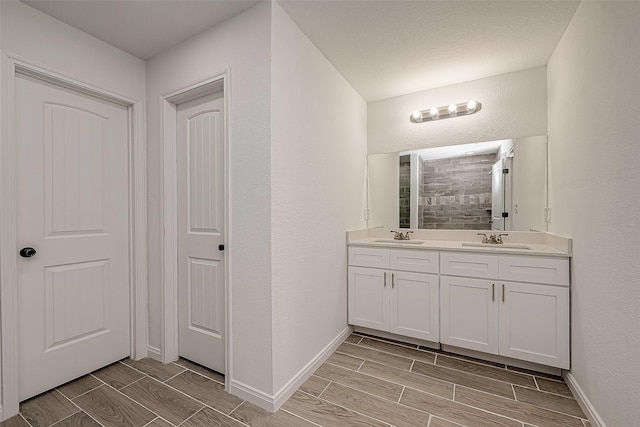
552 271
368 257
417 261
469 265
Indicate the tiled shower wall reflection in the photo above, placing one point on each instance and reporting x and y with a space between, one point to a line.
405 192
456 193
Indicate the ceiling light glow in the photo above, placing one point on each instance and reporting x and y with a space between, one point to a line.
444 112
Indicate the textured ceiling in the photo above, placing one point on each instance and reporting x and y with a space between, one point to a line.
384 48
141 27
391 48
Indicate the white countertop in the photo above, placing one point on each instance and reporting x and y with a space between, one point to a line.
531 243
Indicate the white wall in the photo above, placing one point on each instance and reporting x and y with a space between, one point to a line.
594 135
318 129
31 34
513 105
241 43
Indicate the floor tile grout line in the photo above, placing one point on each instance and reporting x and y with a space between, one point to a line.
31 425
93 418
341 366
239 405
398 383
183 393
323 390
185 370
361 365
374 349
390 352
220 412
535 381
411 367
522 403
524 375
401 393
389 381
444 367
139 403
298 416
401 405
156 418
399 344
349 409
195 372
199 373
136 381
68 416
147 374
415 373
513 390
429 420
474 374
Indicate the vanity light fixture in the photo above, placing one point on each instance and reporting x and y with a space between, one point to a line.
453 110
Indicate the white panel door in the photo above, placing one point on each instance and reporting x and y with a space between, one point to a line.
414 305
369 297
73 209
469 313
201 274
534 323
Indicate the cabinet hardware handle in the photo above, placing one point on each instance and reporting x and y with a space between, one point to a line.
503 292
493 292
385 279
393 282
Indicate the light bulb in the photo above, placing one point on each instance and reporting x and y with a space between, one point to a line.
471 105
417 115
452 108
433 111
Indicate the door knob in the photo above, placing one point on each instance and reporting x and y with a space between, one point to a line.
27 252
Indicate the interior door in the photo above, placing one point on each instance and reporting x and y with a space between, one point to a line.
497 196
201 273
73 212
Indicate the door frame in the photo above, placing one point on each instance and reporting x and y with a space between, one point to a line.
168 118
137 242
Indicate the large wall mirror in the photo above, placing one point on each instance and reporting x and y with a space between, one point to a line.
496 185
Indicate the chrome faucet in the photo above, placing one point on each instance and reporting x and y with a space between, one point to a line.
496 240
400 235
485 239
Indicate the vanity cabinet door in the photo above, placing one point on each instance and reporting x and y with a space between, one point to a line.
469 313
534 323
369 297
414 305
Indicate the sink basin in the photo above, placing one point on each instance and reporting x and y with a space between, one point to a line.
496 246
402 242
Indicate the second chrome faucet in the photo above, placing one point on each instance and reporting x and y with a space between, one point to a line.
401 236
495 239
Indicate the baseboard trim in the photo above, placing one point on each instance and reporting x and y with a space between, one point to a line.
154 353
305 373
584 402
273 403
251 395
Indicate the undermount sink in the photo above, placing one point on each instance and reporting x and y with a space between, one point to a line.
402 242
496 246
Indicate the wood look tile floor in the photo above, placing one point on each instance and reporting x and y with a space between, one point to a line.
368 381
